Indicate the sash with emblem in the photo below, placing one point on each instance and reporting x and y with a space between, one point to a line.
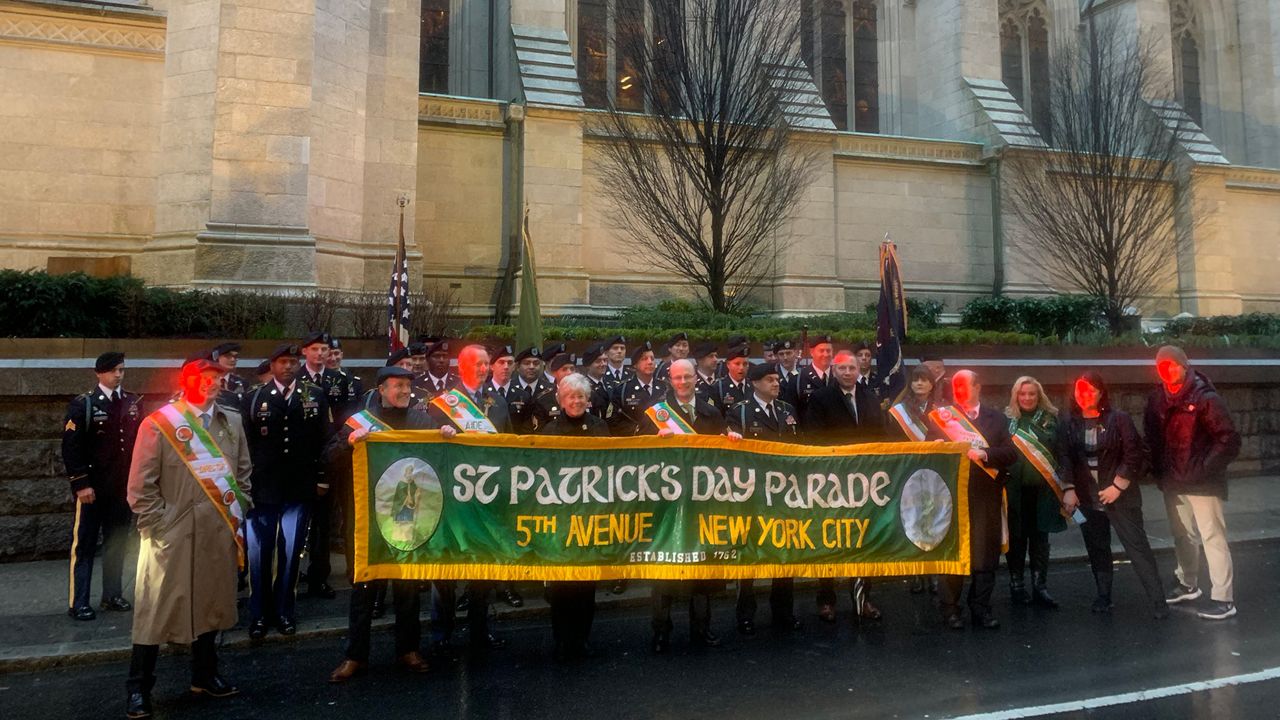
364 420
914 429
464 413
664 417
202 456
1039 457
956 426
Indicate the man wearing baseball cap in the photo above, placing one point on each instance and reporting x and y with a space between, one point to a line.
98 433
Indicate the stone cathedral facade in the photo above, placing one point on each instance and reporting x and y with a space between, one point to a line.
265 143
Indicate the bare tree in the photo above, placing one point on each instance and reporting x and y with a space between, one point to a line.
433 310
1098 208
703 183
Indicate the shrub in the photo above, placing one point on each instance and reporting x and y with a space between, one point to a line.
1267 324
1059 316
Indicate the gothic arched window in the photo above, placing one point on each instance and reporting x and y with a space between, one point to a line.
433 56
606 71
1024 59
839 42
1186 58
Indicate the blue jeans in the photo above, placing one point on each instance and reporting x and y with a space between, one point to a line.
273 577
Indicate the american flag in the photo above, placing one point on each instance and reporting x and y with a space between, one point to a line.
398 295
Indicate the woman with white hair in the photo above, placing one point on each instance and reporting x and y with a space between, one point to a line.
573 602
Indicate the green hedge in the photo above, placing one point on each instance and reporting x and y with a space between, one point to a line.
657 336
1060 316
1259 324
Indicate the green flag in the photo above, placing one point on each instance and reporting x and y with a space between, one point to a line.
529 325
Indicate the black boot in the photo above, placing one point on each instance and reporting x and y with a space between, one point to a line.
1039 594
1018 589
1103 603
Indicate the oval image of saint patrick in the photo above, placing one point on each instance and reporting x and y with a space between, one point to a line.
407 503
926 509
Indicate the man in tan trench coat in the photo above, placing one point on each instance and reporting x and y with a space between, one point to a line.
189 554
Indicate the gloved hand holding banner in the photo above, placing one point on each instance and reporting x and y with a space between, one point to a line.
507 507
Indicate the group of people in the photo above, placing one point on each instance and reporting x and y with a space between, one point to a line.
268 461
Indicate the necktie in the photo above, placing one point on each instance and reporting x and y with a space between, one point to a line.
204 420
115 396
768 411
688 410
853 406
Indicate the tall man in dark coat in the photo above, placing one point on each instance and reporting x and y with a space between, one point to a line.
844 414
287 424
999 454
636 393
98 435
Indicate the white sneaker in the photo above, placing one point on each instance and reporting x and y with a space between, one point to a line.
1218 611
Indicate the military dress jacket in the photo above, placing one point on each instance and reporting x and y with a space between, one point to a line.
630 399
705 420
98 435
750 420
286 439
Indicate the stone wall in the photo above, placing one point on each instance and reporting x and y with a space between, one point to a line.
36 506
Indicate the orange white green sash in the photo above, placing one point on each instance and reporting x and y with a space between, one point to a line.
1039 457
665 417
914 429
463 412
182 428
956 426
364 420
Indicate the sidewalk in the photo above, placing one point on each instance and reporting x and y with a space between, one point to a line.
35 632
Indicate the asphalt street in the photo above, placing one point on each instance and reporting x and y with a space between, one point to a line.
907 666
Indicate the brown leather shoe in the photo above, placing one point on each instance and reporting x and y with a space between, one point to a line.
413 662
869 611
827 613
347 670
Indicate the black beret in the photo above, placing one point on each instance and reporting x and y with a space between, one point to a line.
761 371
703 351
417 348
108 361
591 354
931 358
560 361
392 371
263 368
551 351
678 337
438 346
616 340
397 356
529 352
429 339
500 351
283 350
781 345
738 351
200 363
317 336
640 350
335 343
736 340
817 340
223 349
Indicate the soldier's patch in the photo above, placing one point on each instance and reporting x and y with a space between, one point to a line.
71 426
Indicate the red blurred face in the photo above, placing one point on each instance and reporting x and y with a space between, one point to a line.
965 390
1171 373
1028 397
1087 396
197 388
737 368
473 367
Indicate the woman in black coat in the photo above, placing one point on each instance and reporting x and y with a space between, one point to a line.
573 602
1101 454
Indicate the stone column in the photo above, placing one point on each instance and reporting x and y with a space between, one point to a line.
957 39
1259 24
1206 278
807 265
552 189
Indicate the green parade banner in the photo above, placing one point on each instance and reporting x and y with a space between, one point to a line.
508 507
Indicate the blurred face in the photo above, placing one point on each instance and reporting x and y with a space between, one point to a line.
863 357
406 364
737 368
197 388
316 354
529 369
573 402
680 350
921 388
769 355
1028 397
788 357
502 368
228 359
936 367
845 368
616 352
335 359
473 366
438 363
597 367
822 355
1087 396
644 364
707 365
418 364
766 387
966 389
1171 373
682 381
396 392
563 372
284 369
112 378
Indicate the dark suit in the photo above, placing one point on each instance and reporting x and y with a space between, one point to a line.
519 403
830 420
98 435
629 400
984 515
751 421
809 382
286 438
444 597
